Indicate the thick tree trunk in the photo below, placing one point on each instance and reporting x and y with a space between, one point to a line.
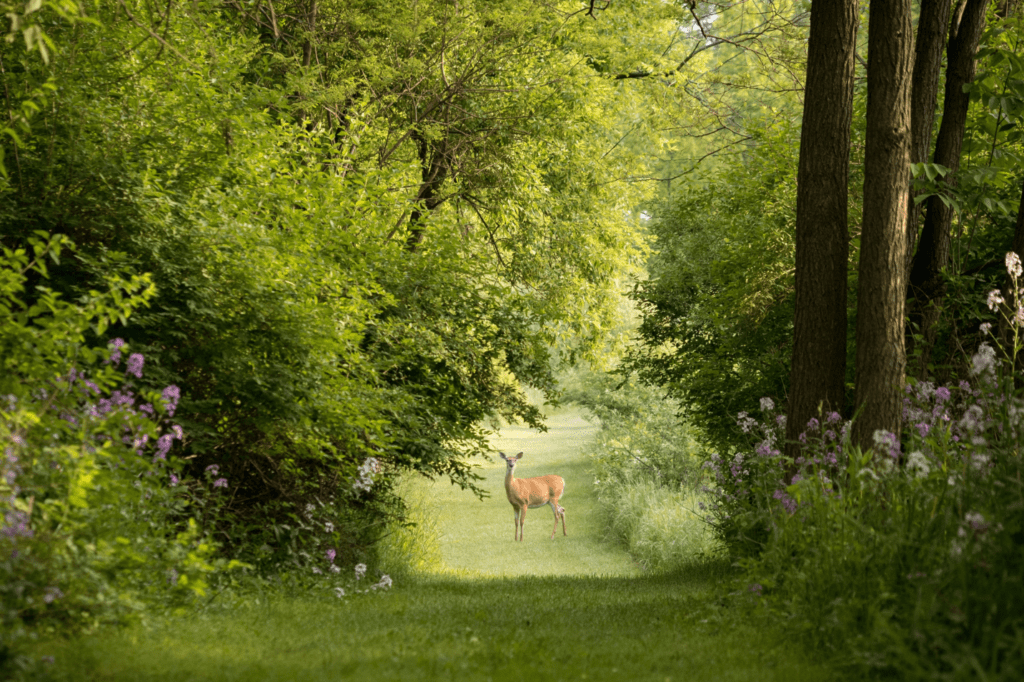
818 373
881 292
926 284
932 26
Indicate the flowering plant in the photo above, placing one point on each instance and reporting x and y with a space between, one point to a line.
87 506
908 550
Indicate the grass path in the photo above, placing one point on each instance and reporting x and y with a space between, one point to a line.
476 535
575 608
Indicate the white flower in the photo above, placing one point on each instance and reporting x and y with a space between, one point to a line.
985 327
339 591
919 464
767 404
329 527
335 568
983 360
360 571
1013 264
995 299
367 470
317 571
385 582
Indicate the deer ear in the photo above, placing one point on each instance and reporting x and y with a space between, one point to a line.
502 455
519 456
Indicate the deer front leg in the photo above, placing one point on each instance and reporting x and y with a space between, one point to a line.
515 522
522 521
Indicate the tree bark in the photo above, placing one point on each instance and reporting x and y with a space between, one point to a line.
926 282
818 372
932 26
433 171
881 292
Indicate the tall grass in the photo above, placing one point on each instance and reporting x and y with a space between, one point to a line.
648 466
659 525
415 546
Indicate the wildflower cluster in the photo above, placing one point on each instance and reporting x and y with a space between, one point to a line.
367 470
343 584
746 489
924 527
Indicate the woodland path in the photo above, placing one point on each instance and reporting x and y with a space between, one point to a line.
477 535
576 608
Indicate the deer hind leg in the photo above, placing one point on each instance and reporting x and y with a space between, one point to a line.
559 513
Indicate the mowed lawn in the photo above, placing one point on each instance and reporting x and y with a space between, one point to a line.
575 608
477 535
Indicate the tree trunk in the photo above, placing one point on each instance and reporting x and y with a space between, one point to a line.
433 171
932 26
926 285
818 373
881 292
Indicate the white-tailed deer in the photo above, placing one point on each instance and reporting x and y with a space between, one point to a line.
526 493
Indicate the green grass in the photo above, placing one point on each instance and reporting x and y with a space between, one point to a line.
492 609
477 535
532 628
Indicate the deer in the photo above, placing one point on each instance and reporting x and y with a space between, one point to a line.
526 493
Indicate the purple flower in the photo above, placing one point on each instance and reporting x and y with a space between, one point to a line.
330 555
170 396
786 501
213 469
756 588
942 394
163 446
832 417
923 429
178 433
115 355
174 480
813 424
147 410
135 362
220 483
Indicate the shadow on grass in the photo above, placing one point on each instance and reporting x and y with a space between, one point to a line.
651 627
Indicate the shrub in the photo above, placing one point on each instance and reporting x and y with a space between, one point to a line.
92 520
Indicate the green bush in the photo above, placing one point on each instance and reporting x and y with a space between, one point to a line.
94 516
648 468
661 526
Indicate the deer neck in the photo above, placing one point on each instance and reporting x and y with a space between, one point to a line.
510 483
